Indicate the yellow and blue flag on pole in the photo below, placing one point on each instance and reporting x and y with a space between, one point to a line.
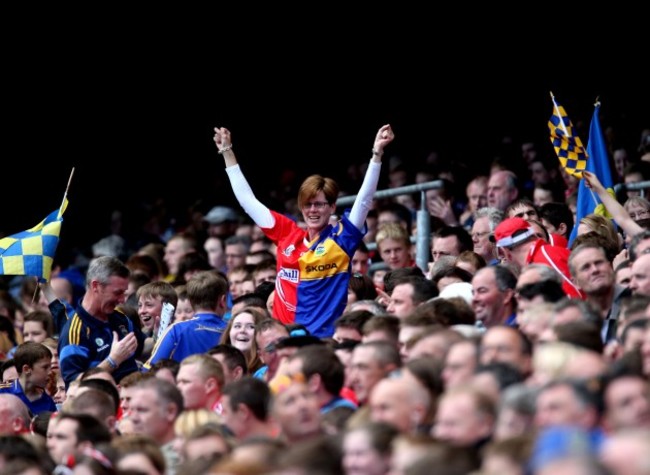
594 160
31 252
567 145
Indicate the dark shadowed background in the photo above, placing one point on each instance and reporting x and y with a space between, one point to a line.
136 122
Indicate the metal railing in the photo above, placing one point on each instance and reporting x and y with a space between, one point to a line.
641 186
423 220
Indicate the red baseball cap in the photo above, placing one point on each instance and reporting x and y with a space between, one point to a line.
511 231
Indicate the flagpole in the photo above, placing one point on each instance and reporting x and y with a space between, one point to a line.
557 111
593 195
35 291
67 188
65 194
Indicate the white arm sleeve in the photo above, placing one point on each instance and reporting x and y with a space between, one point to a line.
253 207
363 202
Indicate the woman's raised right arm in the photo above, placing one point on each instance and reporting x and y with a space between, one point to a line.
259 213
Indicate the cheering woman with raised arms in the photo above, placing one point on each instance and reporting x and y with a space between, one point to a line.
313 263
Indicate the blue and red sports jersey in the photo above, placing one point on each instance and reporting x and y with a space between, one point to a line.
311 287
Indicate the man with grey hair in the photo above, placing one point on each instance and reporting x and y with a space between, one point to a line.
502 189
155 405
486 220
371 362
493 300
98 334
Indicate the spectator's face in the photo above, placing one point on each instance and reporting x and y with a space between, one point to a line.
620 161
173 253
266 342
538 173
235 281
511 423
126 393
627 404
503 344
365 372
194 387
640 281
633 339
149 310
459 423
61 439
476 195
9 374
624 276
184 310
523 211
296 410
149 416
360 262
235 255
317 212
214 248
242 332
515 256
445 246
637 211
559 406
233 417
40 372
488 302
345 356
481 239
247 287
394 253
228 374
378 278
360 457
112 294
34 331
499 195
59 395
401 300
390 402
266 275
460 364
593 272
642 247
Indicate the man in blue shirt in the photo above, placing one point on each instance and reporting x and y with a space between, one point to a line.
206 292
33 363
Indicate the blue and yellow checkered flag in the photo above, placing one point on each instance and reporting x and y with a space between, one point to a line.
31 252
567 145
